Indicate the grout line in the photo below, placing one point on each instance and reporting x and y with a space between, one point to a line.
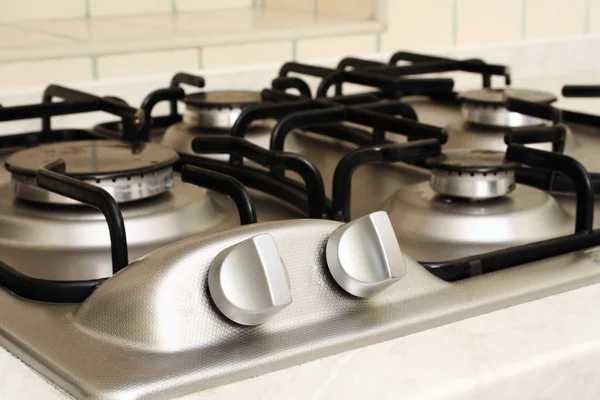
94 68
378 42
174 6
455 22
523 19
315 7
88 9
200 59
588 8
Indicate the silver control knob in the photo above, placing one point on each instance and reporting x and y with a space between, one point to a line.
364 257
248 282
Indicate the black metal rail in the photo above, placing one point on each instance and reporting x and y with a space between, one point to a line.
217 144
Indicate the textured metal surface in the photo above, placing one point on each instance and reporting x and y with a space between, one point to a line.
248 282
443 228
70 243
363 255
151 331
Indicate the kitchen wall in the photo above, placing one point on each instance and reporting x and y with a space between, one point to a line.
164 36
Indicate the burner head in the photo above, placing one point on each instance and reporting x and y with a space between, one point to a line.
217 109
486 107
472 174
127 171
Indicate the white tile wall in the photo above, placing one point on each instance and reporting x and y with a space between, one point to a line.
488 21
19 10
17 37
247 54
121 7
100 30
146 63
43 72
418 24
295 5
554 18
594 16
422 25
338 46
347 8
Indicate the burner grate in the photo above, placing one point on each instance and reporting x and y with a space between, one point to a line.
583 238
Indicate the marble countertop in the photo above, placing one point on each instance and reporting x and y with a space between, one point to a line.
545 349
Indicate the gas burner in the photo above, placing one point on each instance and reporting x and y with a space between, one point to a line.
217 109
128 172
472 174
487 107
454 228
214 113
451 230
73 243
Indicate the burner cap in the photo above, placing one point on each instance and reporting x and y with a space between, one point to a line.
217 109
488 96
486 106
472 174
127 171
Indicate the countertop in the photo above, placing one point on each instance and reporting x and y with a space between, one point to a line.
546 349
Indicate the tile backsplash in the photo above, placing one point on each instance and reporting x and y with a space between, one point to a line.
98 39
25 10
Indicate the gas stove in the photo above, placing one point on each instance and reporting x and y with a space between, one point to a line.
158 256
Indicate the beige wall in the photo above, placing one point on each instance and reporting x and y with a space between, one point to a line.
27 10
424 25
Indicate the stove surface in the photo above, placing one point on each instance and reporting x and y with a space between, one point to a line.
159 332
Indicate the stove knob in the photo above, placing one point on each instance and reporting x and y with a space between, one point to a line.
364 257
248 282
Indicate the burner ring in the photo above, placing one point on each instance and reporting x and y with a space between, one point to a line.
473 186
217 109
123 189
486 107
127 171
472 174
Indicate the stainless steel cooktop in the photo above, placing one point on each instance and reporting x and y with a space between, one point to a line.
156 257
